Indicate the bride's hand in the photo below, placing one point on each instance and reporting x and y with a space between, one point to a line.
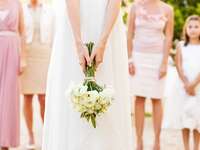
98 54
83 54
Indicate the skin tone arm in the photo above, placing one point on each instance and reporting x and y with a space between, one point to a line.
130 36
21 30
179 67
190 91
195 83
168 42
73 10
131 30
112 12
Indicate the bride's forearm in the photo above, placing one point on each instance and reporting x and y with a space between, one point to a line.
73 10
110 18
196 82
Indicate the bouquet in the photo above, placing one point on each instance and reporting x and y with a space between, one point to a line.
90 99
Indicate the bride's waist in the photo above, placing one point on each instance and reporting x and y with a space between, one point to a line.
90 33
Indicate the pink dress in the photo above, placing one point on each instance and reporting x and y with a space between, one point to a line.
9 70
148 47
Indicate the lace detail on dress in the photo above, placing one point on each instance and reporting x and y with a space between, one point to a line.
3 14
143 14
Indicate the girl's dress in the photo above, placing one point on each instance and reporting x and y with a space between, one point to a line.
184 112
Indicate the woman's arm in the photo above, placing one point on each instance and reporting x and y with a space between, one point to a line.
131 31
21 29
73 9
130 36
196 82
169 30
112 12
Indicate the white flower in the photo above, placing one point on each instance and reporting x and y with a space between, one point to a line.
93 95
83 89
89 102
107 93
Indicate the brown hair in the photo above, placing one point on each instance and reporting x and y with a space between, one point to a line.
185 37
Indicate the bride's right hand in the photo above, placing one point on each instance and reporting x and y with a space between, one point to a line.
83 54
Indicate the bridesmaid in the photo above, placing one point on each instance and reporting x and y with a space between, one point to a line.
39 29
150 34
11 33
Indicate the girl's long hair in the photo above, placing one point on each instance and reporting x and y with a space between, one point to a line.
185 36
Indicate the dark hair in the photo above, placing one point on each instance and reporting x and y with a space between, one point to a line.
185 36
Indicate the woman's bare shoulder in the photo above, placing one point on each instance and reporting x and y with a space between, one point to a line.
167 8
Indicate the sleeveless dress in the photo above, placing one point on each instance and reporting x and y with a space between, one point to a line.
184 112
9 70
63 128
33 79
148 48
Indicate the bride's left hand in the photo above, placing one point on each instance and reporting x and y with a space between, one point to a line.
98 54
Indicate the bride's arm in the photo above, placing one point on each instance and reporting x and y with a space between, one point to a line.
73 10
111 15
112 12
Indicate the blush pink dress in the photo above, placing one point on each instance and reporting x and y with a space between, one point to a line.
9 70
148 48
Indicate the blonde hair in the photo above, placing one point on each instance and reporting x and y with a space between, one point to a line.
185 36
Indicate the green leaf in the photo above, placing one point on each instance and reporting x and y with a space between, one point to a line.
88 118
83 115
93 120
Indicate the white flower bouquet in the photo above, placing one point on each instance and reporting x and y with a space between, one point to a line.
89 98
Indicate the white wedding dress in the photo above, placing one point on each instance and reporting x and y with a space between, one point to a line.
63 128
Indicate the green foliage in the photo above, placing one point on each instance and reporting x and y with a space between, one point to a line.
183 9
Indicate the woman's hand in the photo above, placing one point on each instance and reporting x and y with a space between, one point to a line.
190 89
98 53
23 65
83 55
162 71
112 12
131 68
21 30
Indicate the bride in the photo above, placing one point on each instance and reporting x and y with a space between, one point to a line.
79 22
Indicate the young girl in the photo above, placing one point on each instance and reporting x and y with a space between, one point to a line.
188 67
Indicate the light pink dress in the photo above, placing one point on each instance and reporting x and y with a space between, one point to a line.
9 70
148 48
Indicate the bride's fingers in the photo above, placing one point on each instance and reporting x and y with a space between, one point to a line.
92 56
98 61
87 58
83 66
